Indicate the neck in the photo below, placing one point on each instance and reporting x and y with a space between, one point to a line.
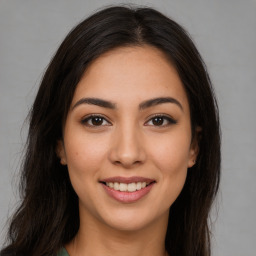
96 238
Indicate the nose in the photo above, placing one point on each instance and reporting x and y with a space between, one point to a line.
127 149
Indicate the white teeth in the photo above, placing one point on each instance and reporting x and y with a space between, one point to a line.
123 187
138 185
130 187
116 186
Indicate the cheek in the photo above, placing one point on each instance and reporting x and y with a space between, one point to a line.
170 156
171 153
85 156
84 160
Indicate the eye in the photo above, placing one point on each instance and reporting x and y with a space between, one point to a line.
95 120
161 120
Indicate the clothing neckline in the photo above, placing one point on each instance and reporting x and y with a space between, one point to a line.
63 252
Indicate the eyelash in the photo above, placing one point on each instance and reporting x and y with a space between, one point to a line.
165 117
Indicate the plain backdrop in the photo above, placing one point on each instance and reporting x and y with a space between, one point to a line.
225 34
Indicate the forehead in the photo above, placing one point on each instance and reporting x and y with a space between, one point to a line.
131 73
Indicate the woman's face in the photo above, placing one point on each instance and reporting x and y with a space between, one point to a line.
128 127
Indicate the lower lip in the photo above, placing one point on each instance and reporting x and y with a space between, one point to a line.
128 197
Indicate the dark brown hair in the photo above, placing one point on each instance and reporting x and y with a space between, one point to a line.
48 215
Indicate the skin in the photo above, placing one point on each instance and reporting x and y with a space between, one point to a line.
127 143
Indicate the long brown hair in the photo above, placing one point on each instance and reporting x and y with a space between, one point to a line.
48 215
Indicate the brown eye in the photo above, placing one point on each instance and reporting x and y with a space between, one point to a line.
158 120
161 121
95 120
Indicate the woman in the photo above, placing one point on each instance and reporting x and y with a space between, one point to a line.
123 151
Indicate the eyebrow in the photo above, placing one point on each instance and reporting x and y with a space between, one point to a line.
97 102
157 101
143 105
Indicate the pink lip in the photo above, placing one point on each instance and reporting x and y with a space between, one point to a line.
128 179
128 197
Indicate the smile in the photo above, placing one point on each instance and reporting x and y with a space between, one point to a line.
130 187
127 190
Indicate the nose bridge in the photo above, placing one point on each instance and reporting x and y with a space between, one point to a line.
127 148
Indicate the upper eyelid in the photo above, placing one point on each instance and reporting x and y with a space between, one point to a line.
88 117
160 115
165 116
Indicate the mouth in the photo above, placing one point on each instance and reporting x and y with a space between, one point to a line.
127 189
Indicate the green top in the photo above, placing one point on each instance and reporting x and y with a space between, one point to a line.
62 252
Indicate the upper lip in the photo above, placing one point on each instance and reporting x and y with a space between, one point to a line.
127 180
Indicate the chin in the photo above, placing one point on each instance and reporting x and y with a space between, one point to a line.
134 220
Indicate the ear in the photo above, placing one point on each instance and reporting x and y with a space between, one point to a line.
60 151
194 147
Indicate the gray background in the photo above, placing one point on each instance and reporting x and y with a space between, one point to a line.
225 33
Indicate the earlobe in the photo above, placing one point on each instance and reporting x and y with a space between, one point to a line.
194 147
60 151
192 159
